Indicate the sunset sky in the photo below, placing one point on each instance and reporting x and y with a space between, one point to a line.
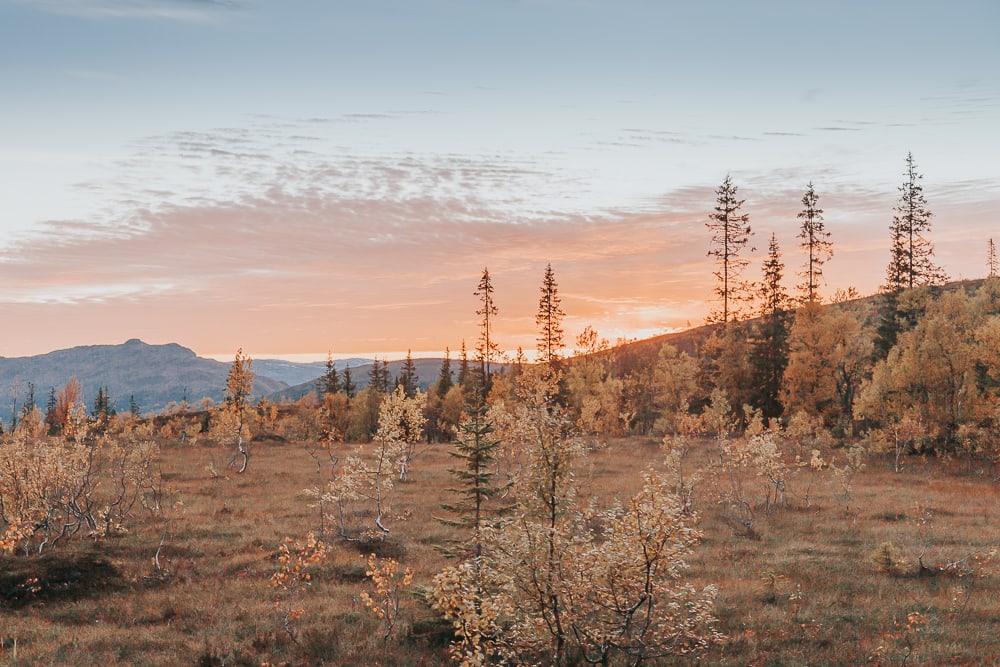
302 175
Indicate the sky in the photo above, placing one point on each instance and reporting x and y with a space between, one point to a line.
299 176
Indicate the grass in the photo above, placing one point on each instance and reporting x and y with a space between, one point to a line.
800 590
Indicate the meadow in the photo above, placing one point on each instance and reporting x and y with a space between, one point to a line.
800 588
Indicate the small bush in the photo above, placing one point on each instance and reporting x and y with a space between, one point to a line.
888 560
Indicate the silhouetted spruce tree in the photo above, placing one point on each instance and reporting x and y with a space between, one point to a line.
445 383
329 383
378 376
29 404
408 376
102 405
50 411
991 260
463 368
911 259
816 243
133 406
347 382
549 319
730 228
387 379
486 347
520 361
769 351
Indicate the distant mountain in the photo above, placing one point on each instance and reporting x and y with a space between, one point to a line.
155 374
292 372
427 374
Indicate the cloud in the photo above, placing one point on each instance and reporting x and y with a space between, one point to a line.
235 236
177 10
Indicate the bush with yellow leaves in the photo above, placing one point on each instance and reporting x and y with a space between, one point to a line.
388 583
52 488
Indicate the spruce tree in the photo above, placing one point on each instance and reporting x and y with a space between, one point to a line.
730 228
475 448
911 260
330 382
912 254
347 383
386 378
769 352
463 367
133 406
100 404
486 347
549 319
408 376
29 404
991 260
378 380
445 383
50 411
520 361
815 242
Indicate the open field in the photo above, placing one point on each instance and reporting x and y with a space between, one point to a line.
827 605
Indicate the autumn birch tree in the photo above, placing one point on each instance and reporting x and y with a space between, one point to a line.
239 385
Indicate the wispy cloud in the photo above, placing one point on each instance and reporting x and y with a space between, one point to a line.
176 10
300 252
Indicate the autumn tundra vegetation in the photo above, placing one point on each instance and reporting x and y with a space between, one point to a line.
803 480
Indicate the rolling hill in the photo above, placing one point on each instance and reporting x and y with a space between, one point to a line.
155 374
427 373
292 373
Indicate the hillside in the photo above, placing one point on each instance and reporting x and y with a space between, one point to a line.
293 373
427 373
865 309
155 374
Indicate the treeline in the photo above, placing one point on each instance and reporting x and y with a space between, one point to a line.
771 350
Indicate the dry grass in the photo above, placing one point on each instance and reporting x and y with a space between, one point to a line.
802 590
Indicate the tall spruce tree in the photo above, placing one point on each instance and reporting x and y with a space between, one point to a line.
912 254
769 351
445 382
730 228
486 347
133 406
408 376
991 260
549 319
329 383
815 240
911 259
